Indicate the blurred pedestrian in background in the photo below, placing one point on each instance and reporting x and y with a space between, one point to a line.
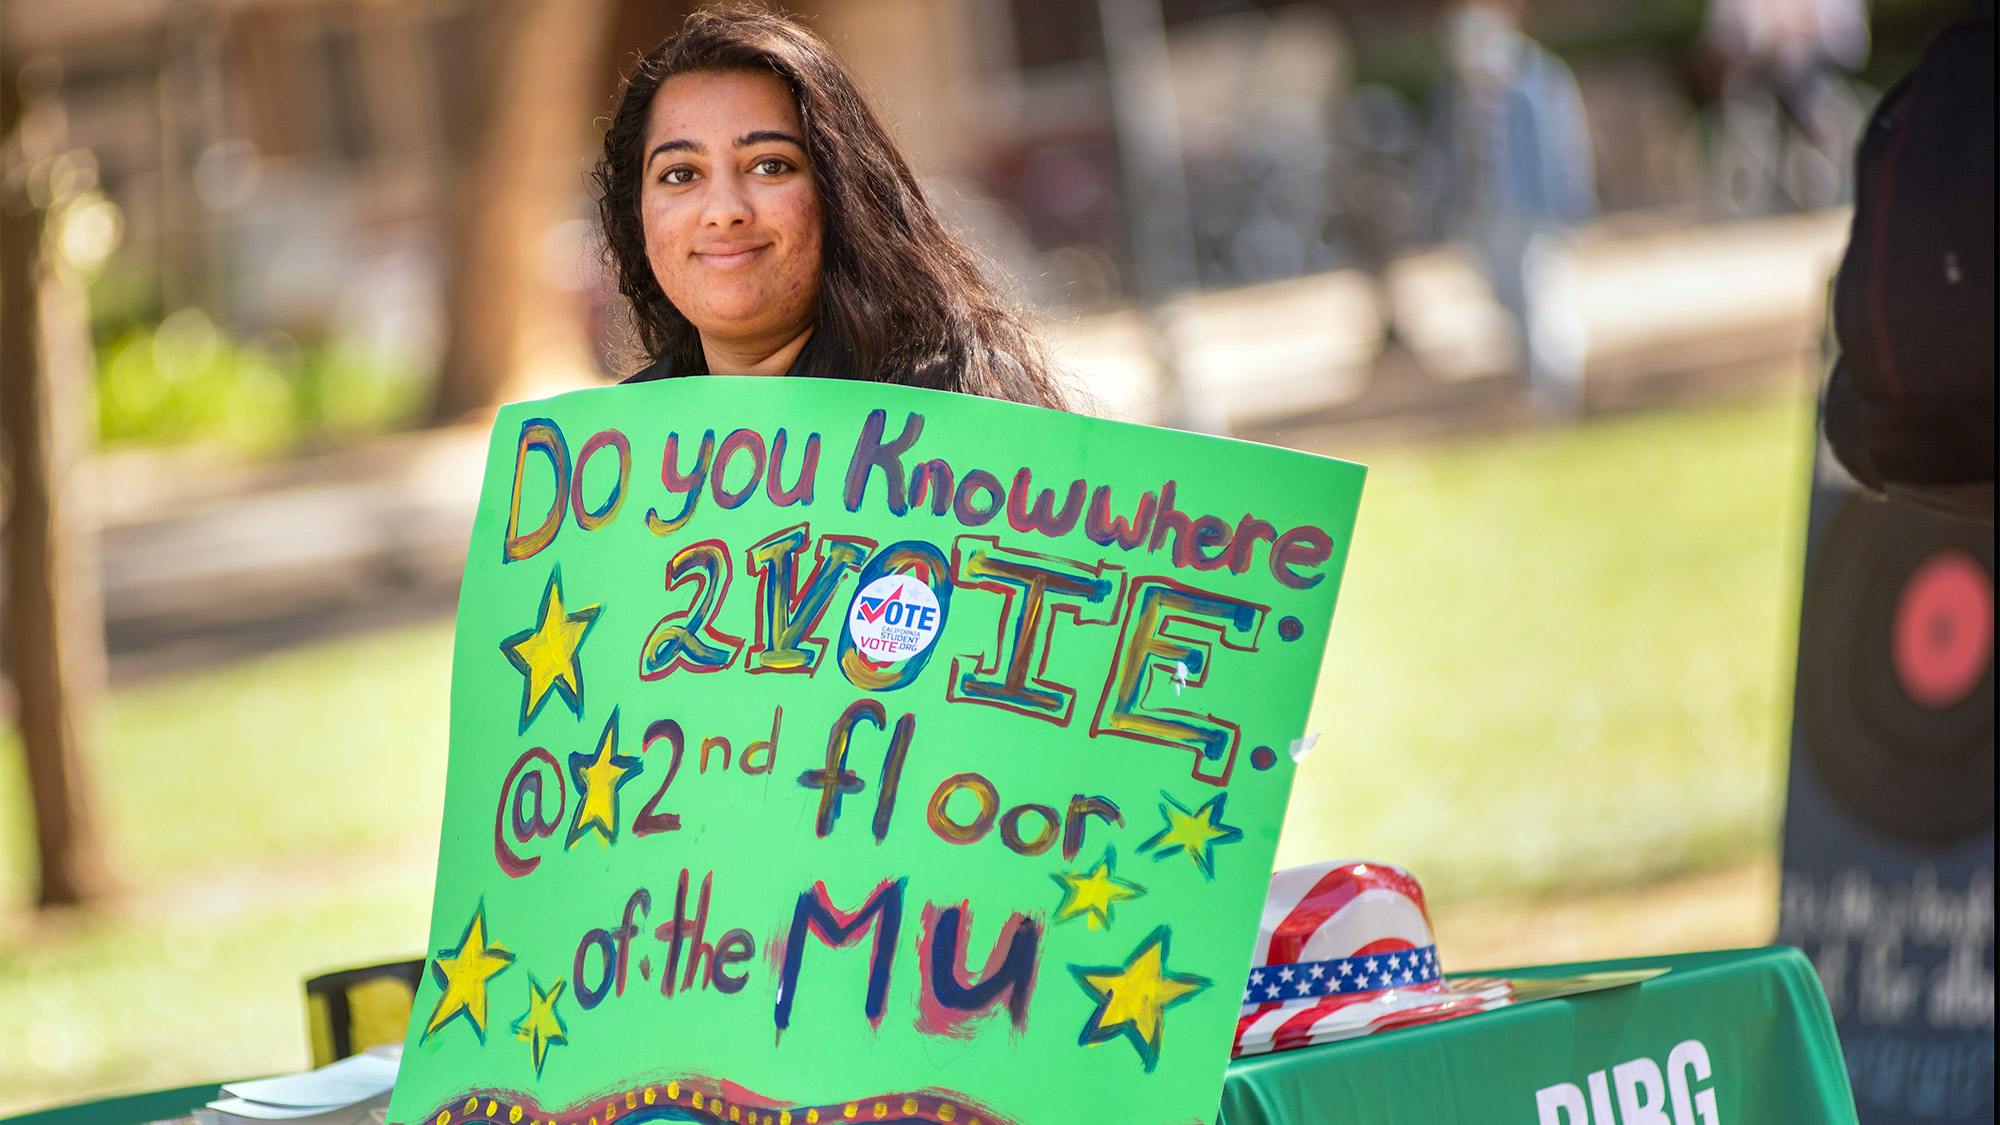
1789 122
1517 175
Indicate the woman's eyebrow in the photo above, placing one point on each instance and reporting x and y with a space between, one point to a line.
677 145
765 136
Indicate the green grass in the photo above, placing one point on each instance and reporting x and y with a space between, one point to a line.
269 822
315 751
1562 658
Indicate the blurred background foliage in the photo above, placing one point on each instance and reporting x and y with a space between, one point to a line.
185 380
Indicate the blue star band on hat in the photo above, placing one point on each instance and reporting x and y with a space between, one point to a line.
1307 979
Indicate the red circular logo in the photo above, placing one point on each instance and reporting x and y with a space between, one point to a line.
1943 638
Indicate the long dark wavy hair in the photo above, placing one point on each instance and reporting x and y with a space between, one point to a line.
901 299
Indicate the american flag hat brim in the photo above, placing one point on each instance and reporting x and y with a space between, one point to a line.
1345 949
1274 1026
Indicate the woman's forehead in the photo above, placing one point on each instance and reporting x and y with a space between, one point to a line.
715 109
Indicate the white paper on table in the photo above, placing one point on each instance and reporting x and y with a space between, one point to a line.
343 1083
241 1108
364 1112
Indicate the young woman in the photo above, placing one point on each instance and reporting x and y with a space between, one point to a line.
762 222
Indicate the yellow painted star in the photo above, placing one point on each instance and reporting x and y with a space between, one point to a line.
1132 1000
1090 895
541 1028
462 972
598 778
1196 833
548 654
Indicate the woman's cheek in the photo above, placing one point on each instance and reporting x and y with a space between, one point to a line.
662 239
811 227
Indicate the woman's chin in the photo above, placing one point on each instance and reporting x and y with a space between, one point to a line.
732 310
746 333
736 331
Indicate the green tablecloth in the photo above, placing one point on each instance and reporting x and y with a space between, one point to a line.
1758 1014
132 1109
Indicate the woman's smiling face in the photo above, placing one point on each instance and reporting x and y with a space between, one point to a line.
731 212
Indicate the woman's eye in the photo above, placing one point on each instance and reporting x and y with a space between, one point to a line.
677 176
772 166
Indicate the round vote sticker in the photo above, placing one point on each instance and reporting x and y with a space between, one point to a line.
894 618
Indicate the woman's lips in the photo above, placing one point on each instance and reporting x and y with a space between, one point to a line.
728 257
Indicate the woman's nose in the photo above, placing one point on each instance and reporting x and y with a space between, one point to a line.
726 203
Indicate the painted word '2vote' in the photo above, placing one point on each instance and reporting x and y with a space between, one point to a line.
1036 588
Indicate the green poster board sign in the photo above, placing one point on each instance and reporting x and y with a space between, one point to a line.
828 751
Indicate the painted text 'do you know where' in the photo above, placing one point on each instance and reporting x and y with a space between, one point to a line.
973 497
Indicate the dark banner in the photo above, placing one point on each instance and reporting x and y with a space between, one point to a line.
1888 865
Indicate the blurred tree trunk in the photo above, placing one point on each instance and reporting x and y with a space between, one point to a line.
53 625
530 95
